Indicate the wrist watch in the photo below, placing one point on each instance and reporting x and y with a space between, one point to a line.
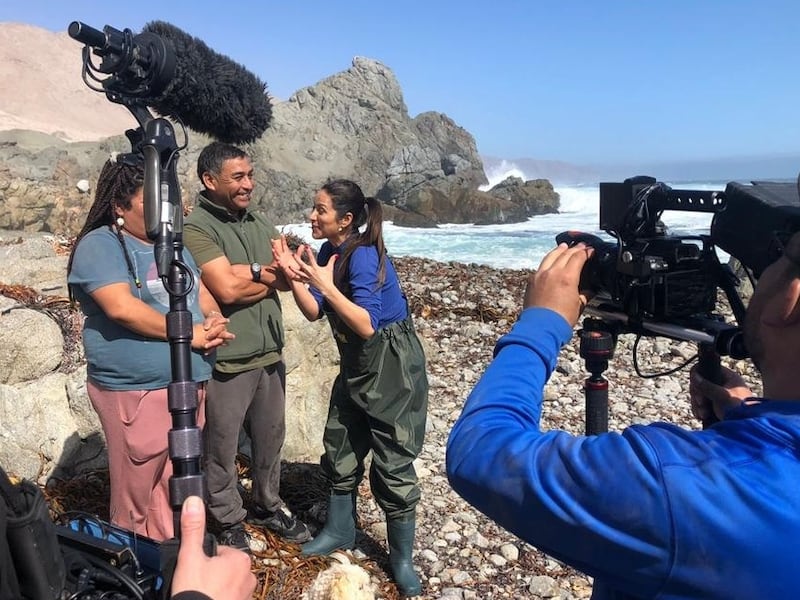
255 271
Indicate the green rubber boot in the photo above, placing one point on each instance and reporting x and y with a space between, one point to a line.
401 543
339 530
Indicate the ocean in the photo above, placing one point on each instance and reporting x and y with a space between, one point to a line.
522 245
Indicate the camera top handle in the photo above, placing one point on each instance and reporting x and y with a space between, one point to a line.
632 208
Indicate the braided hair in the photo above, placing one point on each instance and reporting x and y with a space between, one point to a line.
347 197
117 184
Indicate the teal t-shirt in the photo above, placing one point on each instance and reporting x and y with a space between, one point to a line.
117 358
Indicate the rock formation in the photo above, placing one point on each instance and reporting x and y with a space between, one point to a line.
353 124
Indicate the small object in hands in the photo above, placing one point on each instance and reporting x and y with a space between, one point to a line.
255 271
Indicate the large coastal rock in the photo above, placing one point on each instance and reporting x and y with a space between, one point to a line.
533 197
421 191
353 124
47 424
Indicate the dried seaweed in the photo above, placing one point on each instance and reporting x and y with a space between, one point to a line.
282 573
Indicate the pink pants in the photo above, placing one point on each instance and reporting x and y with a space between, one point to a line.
135 424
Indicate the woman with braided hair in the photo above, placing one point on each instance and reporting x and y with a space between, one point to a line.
113 276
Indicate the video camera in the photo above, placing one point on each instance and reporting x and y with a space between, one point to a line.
649 282
648 273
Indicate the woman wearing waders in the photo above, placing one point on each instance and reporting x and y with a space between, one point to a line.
380 396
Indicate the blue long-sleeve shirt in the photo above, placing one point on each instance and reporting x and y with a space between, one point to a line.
384 302
656 511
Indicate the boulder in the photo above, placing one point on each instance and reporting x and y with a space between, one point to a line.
312 363
534 197
41 433
33 342
32 260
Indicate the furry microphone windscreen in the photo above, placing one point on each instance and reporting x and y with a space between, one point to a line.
210 93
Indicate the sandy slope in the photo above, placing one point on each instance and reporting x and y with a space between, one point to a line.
42 89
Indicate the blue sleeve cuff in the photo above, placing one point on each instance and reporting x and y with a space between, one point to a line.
531 325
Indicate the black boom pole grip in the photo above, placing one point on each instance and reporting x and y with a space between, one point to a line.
596 348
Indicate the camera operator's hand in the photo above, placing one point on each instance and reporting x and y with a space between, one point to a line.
710 401
554 285
226 575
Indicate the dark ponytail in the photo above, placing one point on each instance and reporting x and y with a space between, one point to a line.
347 197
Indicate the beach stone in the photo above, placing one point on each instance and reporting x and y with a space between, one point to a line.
33 343
497 560
544 586
509 552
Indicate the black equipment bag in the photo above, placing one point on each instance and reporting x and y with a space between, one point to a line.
87 558
9 586
30 544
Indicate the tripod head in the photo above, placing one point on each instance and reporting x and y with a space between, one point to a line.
597 343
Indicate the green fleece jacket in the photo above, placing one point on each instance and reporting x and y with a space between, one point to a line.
210 232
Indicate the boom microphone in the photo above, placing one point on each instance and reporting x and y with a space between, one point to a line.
211 93
180 77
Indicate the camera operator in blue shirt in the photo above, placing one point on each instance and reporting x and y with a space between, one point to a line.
656 511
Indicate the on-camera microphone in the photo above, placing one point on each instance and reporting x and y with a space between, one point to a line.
210 93
179 76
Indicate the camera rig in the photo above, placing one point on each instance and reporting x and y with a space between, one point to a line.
650 283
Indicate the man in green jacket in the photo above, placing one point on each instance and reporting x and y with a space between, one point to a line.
231 244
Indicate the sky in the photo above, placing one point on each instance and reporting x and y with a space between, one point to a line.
581 81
